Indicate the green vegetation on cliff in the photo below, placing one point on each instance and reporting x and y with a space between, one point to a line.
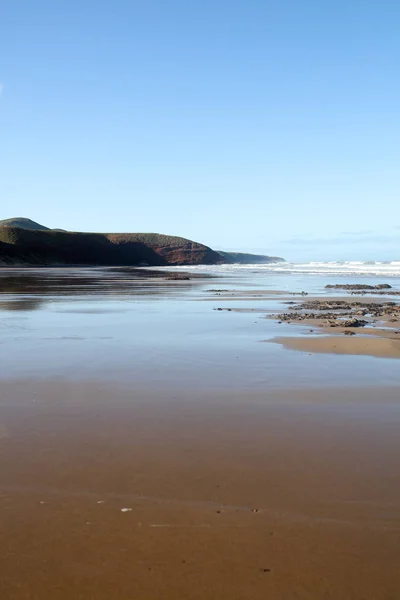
23 223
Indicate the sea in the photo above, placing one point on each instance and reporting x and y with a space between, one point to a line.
353 268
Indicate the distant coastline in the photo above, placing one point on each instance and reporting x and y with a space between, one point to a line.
25 242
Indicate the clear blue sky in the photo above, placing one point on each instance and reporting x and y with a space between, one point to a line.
251 125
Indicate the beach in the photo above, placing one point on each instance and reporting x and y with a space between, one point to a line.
154 446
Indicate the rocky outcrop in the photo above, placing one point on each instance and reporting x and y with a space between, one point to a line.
358 286
339 313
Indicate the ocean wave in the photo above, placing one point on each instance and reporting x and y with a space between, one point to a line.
352 267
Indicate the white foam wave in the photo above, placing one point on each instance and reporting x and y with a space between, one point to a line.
353 267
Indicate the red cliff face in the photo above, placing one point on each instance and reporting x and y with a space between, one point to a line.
170 249
189 254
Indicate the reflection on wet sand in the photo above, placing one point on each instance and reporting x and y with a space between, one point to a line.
29 288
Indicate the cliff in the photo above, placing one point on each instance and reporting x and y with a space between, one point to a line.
25 242
40 246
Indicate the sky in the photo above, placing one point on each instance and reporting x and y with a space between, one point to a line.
250 125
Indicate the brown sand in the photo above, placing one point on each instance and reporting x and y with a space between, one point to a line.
381 347
283 495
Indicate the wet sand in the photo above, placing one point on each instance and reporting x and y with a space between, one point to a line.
150 447
284 494
381 347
